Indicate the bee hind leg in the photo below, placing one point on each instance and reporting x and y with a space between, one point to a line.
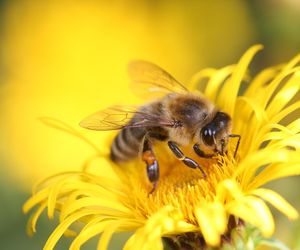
186 160
151 164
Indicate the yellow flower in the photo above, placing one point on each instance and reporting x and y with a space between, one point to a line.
184 202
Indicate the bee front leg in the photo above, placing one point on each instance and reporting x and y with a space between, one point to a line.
152 165
199 152
186 160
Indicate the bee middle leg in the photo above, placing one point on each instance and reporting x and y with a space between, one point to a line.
186 160
152 164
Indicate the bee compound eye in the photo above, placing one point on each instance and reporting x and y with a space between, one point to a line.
207 137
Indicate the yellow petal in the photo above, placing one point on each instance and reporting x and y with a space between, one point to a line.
199 77
254 211
64 127
276 171
62 227
286 93
285 112
215 82
31 224
294 126
210 234
229 92
212 220
149 236
253 162
228 189
261 79
269 90
107 234
88 233
35 200
54 192
277 201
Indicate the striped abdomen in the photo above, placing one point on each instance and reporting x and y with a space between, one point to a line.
127 144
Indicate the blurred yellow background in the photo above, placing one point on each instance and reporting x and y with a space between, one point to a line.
62 58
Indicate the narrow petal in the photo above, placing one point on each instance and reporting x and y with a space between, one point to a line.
54 193
294 126
270 89
253 162
229 92
199 77
35 200
62 227
274 172
31 224
285 112
285 94
60 125
277 201
215 82
261 79
88 233
102 204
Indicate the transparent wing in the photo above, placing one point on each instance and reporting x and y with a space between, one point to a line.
119 117
148 78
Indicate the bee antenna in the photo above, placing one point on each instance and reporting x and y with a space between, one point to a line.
237 144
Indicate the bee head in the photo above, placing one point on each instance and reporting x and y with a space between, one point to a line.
215 134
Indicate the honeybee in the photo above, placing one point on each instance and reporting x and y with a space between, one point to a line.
179 117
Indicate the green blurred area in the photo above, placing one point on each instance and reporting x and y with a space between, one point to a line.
276 24
13 221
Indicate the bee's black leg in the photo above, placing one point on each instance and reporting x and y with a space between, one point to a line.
237 144
199 152
180 156
151 163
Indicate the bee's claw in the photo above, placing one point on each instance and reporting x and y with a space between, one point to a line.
153 188
203 173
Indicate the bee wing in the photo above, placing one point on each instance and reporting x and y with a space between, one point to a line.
148 78
119 117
